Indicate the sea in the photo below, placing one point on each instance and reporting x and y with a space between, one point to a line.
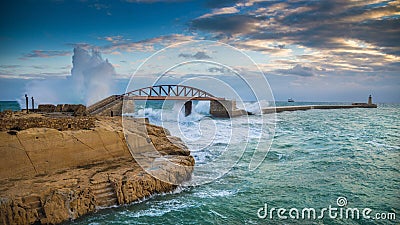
342 164
9 105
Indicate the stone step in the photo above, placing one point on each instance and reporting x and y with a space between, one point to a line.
101 185
35 205
31 198
107 201
106 195
33 202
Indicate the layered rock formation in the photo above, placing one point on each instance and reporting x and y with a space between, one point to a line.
10 121
50 176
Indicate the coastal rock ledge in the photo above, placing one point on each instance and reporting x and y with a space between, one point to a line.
49 176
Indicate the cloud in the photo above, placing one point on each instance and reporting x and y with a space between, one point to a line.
266 46
230 24
81 45
217 70
39 76
40 67
298 70
99 6
198 56
45 54
309 23
9 66
335 35
221 11
155 1
119 43
221 3
328 20
45 75
67 67
113 39
24 72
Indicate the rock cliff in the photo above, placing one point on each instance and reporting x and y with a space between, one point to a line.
50 176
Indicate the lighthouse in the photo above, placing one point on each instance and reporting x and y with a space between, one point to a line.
370 100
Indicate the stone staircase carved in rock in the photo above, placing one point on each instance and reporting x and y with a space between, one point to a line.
104 193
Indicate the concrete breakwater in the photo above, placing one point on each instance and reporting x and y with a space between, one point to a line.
49 176
308 107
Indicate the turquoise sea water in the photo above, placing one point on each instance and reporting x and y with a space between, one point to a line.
316 157
9 105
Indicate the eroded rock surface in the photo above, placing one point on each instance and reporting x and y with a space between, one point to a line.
50 176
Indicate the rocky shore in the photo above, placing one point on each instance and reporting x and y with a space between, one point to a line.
52 175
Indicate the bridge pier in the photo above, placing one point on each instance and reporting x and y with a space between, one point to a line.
188 108
225 109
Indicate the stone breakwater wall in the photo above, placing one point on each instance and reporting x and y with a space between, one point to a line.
49 176
62 123
75 109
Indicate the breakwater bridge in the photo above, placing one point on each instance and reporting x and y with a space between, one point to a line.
219 107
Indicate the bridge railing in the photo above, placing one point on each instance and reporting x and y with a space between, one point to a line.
157 92
169 90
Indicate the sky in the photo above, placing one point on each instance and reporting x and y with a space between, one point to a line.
328 50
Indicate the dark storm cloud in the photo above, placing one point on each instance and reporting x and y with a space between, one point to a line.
298 70
339 19
316 24
385 33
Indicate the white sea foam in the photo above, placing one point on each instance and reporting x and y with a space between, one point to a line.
209 139
215 194
159 208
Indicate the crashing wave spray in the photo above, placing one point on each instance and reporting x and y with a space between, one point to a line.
89 82
157 116
91 75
